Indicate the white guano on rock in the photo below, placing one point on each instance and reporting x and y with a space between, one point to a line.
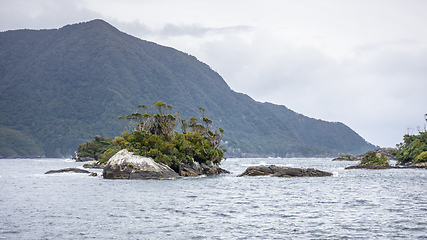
126 165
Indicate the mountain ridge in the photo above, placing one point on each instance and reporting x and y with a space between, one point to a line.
66 85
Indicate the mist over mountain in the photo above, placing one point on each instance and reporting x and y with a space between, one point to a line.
61 87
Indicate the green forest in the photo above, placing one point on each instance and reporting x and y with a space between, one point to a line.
61 87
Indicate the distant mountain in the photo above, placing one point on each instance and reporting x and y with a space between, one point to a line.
61 87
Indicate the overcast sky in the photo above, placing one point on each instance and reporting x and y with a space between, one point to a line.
363 63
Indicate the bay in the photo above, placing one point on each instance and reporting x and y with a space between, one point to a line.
352 204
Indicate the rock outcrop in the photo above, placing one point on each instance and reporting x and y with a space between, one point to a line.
346 158
76 170
388 152
279 171
195 169
96 165
83 159
386 167
369 167
126 165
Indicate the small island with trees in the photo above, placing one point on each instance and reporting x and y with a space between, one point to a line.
188 147
411 153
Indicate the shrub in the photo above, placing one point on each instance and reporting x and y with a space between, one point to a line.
154 135
421 158
371 158
413 149
107 155
98 149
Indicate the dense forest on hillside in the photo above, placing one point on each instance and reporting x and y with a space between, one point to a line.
61 87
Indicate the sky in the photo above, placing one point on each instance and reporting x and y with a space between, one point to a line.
362 63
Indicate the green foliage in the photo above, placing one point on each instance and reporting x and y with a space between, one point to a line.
371 158
100 148
104 157
422 157
155 135
413 149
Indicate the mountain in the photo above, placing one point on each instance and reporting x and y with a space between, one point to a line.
61 87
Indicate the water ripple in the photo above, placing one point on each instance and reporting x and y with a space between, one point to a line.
353 204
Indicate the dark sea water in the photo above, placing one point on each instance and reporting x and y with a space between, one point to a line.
353 204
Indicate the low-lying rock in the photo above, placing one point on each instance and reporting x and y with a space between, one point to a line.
346 158
76 170
83 159
95 165
279 171
361 166
413 165
195 169
126 165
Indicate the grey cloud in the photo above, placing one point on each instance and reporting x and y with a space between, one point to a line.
172 30
134 28
369 47
21 14
378 95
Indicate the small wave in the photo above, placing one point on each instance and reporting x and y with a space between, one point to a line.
10 232
68 160
247 165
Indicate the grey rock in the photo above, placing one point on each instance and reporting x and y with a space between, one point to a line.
346 158
195 169
76 170
279 171
366 166
126 165
385 167
95 165
85 159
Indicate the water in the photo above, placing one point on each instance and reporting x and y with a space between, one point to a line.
353 204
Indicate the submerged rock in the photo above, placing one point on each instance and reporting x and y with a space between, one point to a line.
126 165
279 171
76 170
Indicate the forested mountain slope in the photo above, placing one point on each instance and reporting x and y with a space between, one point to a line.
61 87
